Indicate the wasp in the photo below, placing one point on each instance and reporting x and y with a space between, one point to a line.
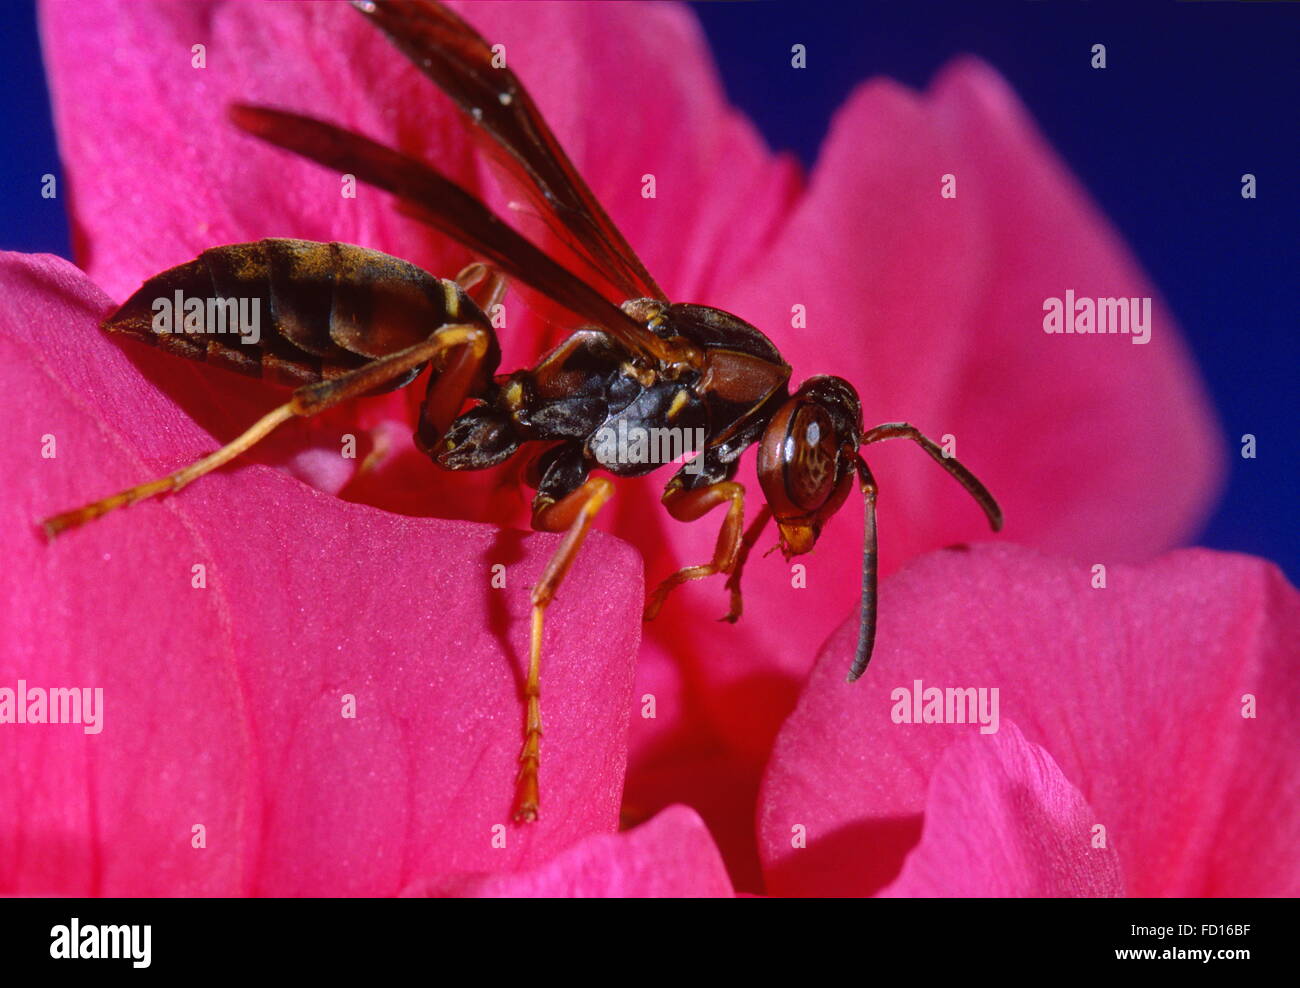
341 321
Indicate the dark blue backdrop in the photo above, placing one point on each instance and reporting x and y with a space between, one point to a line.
1194 95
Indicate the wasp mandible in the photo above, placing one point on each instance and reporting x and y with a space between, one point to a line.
346 321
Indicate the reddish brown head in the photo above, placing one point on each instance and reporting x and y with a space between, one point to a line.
807 457
806 462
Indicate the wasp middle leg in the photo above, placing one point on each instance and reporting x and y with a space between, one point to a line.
571 514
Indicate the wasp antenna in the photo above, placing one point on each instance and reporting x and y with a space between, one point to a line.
867 613
901 430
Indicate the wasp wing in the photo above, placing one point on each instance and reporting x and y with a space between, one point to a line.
444 205
464 66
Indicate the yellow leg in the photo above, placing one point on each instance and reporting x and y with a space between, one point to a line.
572 515
307 400
687 505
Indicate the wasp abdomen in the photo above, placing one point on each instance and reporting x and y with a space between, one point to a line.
292 311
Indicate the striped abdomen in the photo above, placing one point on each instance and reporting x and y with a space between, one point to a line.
292 311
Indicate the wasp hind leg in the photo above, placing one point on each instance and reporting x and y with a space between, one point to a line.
465 343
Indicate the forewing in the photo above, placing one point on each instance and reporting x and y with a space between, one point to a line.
460 62
434 199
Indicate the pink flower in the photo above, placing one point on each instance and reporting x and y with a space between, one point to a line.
226 707
1163 709
670 856
931 306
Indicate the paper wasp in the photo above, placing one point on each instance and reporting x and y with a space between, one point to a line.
344 321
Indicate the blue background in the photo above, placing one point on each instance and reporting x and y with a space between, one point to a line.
1194 95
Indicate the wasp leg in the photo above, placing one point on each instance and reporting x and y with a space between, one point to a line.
307 400
461 373
746 546
690 505
485 285
572 514
901 430
449 387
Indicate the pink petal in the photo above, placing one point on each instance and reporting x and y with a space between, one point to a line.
1136 691
933 309
1001 820
671 856
157 172
224 706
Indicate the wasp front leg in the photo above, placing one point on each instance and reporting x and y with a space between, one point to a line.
746 547
691 505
